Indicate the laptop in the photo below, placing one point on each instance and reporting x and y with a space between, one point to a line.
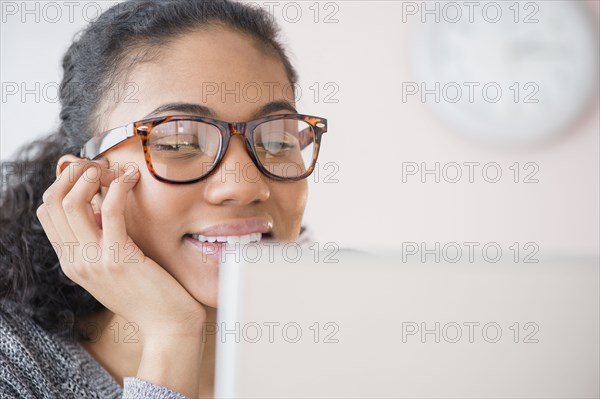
346 324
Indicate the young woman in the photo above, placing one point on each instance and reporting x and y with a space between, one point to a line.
112 227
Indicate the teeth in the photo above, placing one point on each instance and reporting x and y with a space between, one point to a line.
245 239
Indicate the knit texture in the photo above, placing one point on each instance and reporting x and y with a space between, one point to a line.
35 364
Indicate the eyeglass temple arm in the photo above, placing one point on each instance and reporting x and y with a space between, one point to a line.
105 141
305 137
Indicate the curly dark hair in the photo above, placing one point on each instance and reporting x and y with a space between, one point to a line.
101 55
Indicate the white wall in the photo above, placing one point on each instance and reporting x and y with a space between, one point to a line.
366 55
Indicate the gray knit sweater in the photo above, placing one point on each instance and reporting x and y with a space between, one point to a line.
35 364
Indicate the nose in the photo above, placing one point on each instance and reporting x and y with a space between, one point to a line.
236 181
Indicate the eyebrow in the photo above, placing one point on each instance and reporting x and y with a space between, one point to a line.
202 110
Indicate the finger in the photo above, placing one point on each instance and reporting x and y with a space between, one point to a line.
113 209
56 196
53 199
96 205
49 229
78 208
108 174
65 254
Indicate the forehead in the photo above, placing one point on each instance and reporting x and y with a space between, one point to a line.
218 54
220 68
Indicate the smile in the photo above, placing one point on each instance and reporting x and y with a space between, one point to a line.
243 239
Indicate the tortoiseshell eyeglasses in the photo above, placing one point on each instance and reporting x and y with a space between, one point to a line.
185 149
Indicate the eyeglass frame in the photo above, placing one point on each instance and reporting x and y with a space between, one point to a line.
98 145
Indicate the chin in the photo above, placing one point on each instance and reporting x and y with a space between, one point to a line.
206 290
210 302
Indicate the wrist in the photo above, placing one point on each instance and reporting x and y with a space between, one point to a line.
173 362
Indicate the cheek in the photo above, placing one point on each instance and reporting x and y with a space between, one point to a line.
153 213
290 202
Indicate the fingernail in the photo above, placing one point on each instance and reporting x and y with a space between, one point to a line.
131 172
130 175
102 162
60 172
98 217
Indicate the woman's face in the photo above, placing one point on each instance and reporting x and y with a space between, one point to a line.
211 69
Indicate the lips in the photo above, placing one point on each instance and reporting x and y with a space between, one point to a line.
243 239
239 227
215 249
211 240
208 249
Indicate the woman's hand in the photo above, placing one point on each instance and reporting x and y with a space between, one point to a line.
105 261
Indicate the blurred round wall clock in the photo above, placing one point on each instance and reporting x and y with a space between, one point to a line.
507 71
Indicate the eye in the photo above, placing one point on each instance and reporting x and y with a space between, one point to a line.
275 143
180 146
176 143
176 147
